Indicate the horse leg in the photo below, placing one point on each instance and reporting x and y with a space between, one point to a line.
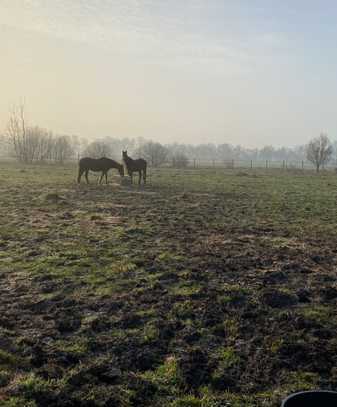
102 175
131 175
86 176
144 175
139 176
80 172
106 177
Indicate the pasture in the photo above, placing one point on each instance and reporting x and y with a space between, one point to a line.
205 288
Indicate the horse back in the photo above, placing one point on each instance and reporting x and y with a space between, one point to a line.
85 162
95 164
141 163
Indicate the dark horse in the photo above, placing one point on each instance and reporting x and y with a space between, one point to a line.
135 166
103 165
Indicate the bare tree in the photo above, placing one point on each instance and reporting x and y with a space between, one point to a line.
46 146
319 151
27 143
180 160
155 153
63 149
38 145
98 149
4 145
17 134
33 143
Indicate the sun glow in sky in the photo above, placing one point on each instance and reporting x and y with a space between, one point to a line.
249 72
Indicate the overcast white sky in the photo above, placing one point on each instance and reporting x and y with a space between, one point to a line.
249 72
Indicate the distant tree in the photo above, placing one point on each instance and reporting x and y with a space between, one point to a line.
334 147
28 143
45 144
98 149
267 153
76 145
225 151
37 143
17 133
155 153
4 146
319 151
205 152
62 149
83 145
179 160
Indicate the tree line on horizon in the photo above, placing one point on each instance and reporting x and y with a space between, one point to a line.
30 144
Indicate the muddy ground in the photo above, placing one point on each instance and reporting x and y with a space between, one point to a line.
205 288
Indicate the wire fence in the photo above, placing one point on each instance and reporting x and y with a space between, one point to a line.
257 164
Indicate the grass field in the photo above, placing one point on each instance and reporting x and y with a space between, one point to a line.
205 288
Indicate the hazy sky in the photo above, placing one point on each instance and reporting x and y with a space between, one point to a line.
249 72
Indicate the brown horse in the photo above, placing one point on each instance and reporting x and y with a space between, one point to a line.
103 165
132 166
